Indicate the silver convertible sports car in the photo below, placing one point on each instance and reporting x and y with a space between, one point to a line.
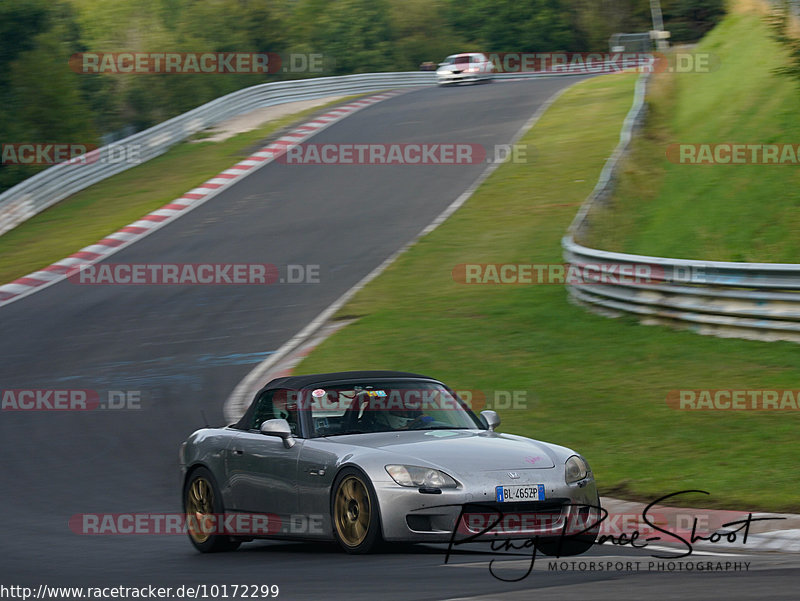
372 456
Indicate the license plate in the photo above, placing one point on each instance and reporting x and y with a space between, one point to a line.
525 492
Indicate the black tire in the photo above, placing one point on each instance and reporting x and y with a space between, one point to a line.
351 494
569 546
198 487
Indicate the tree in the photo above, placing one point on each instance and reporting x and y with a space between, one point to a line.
43 100
354 35
422 32
690 20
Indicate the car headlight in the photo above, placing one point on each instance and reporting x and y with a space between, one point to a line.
425 477
575 469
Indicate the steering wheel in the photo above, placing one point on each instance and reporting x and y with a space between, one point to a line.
420 419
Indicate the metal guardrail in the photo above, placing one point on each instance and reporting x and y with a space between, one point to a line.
35 194
758 301
750 300
56 183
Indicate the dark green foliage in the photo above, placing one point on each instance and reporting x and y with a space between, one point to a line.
784 12
690 20
44 101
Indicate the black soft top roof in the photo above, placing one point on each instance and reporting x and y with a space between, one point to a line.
300 382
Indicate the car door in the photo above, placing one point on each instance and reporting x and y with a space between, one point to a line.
261 470
486 65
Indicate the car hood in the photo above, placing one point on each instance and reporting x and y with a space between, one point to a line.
460 451
455 67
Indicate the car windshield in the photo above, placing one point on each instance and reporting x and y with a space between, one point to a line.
457 60
386 407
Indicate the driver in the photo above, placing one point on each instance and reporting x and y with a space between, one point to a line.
407 419
376 413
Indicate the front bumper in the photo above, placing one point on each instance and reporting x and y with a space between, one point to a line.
411 516
448 77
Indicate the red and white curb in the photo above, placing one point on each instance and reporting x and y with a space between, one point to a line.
39 280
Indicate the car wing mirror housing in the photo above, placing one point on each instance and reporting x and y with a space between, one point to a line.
279 428
491 419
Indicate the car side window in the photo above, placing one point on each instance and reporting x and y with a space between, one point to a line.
276 404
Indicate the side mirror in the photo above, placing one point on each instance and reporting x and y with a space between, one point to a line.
279 428
491 419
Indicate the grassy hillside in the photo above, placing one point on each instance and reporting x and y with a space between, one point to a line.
716 212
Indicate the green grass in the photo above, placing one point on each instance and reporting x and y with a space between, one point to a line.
90 215
597 385
714 212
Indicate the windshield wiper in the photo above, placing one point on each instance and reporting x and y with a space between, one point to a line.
347 432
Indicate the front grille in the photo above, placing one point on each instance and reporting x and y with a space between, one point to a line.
547 506
420 523
493 518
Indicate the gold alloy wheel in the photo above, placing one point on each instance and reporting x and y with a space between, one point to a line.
352 511
200 510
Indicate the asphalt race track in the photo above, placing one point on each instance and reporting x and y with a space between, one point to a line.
184 348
